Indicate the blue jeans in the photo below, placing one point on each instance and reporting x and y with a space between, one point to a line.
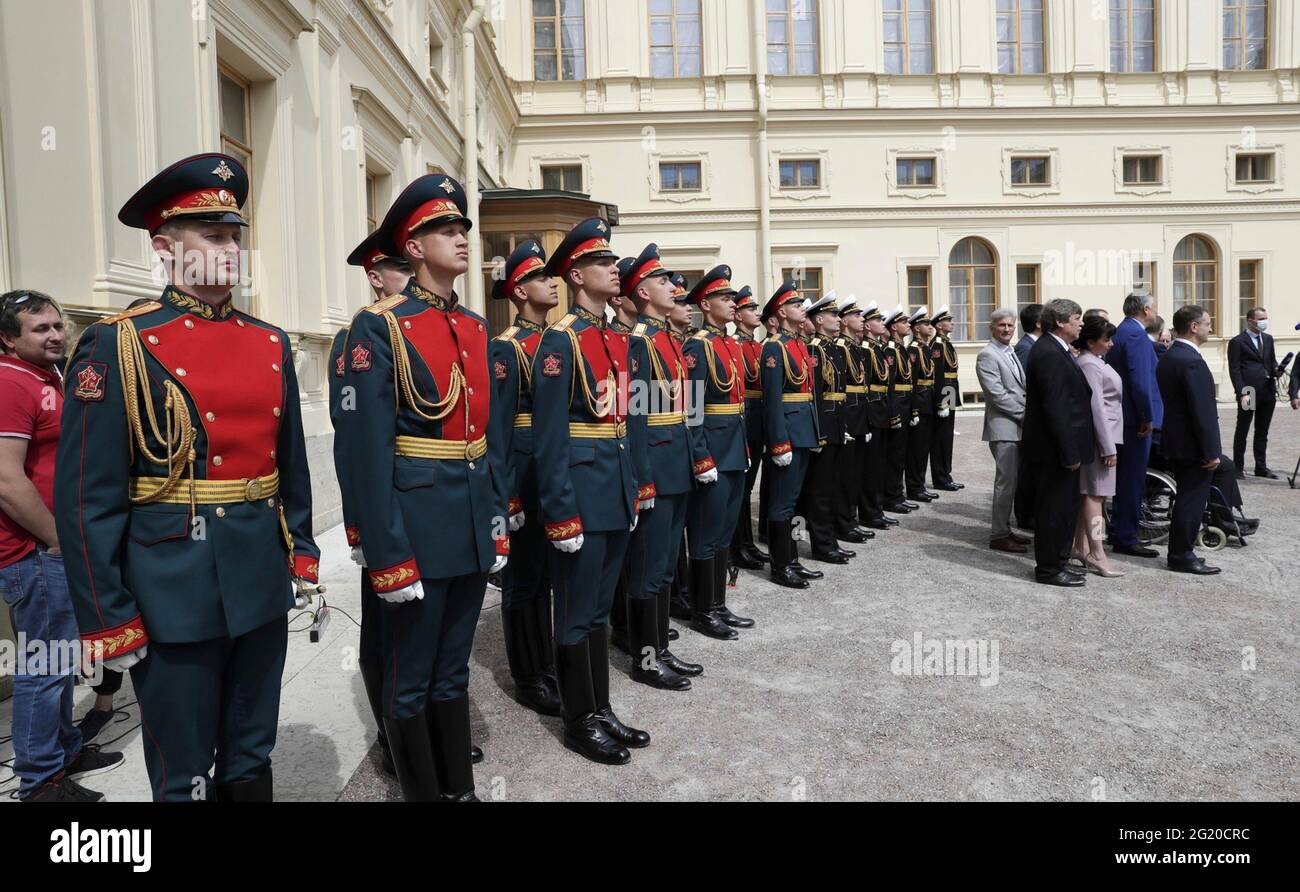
45 738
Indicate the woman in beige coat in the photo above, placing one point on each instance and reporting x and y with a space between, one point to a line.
1097 478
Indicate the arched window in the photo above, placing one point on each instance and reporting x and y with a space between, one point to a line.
972 287
1196 274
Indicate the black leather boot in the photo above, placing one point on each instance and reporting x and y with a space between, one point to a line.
543 644
598 653
679 607
372 678
618 618
259 789
583 732
782 547
531 689
449 726
680 666
720 593
643 636
705 620
413 756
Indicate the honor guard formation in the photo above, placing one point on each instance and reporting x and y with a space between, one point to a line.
601 457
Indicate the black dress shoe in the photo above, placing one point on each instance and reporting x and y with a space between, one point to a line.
587 737
1135 551
787 577
624 734
1195 566
900 507
911 506
476 754
678 665
804 571
583 731
1061 579
855 535
731 619
948 487
887 522
922 496
746 560
1266 473
642 634
673 634
830 557
1075 571
703 618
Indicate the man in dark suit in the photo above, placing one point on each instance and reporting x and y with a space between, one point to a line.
1190 438
1030 319
1133 357
1253 367
1058 437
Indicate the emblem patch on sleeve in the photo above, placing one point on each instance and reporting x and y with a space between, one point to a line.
90 378
338 366
499 369
690 360
771 362
935 354
361 361
552 365
636 365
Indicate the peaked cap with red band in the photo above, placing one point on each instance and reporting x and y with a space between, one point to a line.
526 262
433 198
369 254
633 271
208 188
716 283
745 298
786 293
586 241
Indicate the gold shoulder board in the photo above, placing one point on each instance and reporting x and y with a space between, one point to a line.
132 313
639 330
700 336
564 323
508 334
385 305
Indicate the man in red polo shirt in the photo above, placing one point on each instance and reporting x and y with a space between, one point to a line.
48 754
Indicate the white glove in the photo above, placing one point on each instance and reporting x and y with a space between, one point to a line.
358 556
783 461
848 438
867 438
646 504
126 661
915 421
569 546
516 521
304 591
709 476
945 412
635 520
500 563
413 592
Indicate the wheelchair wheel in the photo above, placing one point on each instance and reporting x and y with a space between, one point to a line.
1212 538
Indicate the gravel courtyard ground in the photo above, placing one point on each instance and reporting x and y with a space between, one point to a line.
1151 687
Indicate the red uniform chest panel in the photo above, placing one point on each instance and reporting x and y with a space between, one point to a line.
799 350
454 340
530 343
232 373
753 353
674 363
605 352
729 357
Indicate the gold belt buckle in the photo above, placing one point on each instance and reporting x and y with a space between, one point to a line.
252 490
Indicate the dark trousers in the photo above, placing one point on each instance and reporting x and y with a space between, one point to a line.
1130 486
111 684
848 484
662 533
1026 492
895 463
527 575
1262 415
427 643
1056 512
918 453
744 534
816 500
875 457
584 584
941 438
1189 508
785 485
372 621
217 697
712 516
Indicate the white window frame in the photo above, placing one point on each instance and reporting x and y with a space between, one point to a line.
560 160
1053 185
1164 153
657 193
940 187
1279 168
799 154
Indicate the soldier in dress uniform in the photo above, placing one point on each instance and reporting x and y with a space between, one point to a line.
902 415
681 605
790 428
625 319
923 357
750 336
852 457
817 500
387 276
880 387
183 498
655 356
526 580
589 470
420 454
717 375
947 400
679 321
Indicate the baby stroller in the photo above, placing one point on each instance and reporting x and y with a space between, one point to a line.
1220 523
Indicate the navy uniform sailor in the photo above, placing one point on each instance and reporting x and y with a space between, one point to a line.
924 357
947 398
902 415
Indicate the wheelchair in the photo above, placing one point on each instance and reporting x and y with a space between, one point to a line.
1219 524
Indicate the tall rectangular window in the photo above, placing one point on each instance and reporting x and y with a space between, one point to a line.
918 287
562 177
559 40
1020 37
1251 287
675 38
1132 35
909 37
791 37
1029 278
372 203
1245 34
809 282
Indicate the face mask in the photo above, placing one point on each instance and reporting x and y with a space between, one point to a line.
1262 324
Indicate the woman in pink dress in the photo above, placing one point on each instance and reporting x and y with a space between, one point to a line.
1097 478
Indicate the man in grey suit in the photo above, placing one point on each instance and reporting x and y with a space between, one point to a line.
1002 378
